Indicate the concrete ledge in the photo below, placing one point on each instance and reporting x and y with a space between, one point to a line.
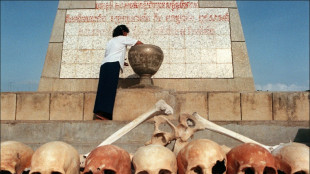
256 106
66 106
206 85
224 106
52 62
33 106
130 103
193 102
86 135
242 68
235 26
8 106
89 102
73 4
242 84
73 85
59 26
218 4
291 106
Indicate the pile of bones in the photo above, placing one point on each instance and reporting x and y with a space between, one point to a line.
200 156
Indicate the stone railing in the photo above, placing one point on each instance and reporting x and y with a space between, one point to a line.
130 103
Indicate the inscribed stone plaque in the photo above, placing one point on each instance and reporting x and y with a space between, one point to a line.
195 41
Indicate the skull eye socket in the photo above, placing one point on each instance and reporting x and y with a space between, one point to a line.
161 137
300 172
219 167
281 172
197 170
107 171
53 172
5 172
143 172
269 170
190 123
164 171
248 170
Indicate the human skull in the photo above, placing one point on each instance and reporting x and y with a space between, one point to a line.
296 155
15 157
201 156
249 158
154 159
188 125
108 159
55 158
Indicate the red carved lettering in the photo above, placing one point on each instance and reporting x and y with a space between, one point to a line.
173 5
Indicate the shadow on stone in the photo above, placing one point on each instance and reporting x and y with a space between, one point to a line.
303 136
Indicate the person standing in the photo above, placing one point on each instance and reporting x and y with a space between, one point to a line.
113 62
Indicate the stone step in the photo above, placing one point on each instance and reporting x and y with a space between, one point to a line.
130 103
86 135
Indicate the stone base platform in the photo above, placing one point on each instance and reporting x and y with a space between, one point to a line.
86 135
130 103
35 118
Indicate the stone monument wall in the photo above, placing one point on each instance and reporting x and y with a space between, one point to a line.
129 104
203 44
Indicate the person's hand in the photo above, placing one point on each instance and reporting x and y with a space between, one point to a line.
126 64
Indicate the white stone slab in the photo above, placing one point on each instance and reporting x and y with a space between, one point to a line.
193 70
177 71
195 41
193 56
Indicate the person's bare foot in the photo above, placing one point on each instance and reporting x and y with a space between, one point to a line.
98 117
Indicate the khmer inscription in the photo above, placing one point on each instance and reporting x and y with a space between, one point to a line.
195 41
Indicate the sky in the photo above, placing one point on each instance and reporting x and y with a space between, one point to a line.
276 34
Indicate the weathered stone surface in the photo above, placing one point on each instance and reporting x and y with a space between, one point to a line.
235 26
59 26
129 104
89 102
86 135
31 131
52 62
236 84
8 106
191 85
224 106
208 3
66 106
291 105
256 106
79 85
193 102
73 4
32 106
241 62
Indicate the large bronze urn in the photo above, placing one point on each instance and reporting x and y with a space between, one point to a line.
145 60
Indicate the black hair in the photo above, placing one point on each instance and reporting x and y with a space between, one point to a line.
118 31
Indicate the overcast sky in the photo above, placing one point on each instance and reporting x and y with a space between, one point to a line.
276 34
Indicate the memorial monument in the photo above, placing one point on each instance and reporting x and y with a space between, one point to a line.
205 70
202 42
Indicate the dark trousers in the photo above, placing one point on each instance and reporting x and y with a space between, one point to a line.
107 86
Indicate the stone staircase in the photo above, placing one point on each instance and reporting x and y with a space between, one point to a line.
36 118
86 135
